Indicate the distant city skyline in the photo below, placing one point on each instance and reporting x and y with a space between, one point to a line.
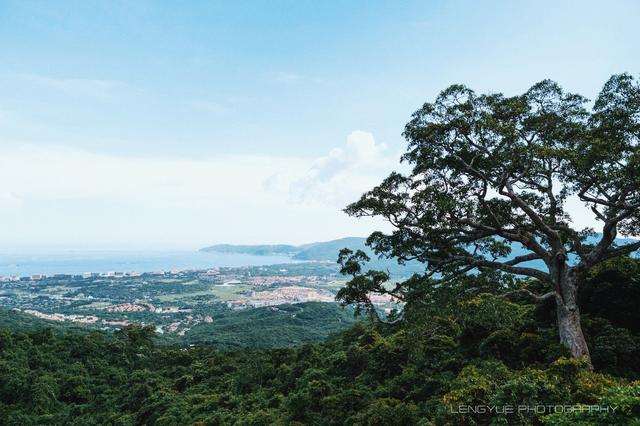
157 124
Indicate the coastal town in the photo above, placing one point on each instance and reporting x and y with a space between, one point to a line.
174 301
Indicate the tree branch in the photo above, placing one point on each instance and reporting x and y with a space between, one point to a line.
519 202
530 294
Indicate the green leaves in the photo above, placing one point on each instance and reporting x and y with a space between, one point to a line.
490 171
457 349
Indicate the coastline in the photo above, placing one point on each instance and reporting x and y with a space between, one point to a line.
125 263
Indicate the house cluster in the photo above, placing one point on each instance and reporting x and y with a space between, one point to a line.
85 275
276 280
108 274
132 307
382 299
281 295
186 324
84 319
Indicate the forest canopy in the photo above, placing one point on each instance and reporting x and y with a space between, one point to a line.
458 350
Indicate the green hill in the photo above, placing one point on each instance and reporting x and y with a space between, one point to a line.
321 251
257 250
266 327
273 326
327 250
20 322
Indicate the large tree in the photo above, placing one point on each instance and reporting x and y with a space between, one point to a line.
490 173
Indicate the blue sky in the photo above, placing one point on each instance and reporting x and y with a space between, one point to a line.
188 123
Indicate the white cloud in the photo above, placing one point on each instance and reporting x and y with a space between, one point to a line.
346 172
9 199
62 195
55 173
94 88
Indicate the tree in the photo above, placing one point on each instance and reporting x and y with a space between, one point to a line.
490 173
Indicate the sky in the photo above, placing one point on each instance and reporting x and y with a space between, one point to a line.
183 124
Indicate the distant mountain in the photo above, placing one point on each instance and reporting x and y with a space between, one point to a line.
328 251
321 251
258 250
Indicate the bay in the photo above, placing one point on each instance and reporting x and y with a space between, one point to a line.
81 261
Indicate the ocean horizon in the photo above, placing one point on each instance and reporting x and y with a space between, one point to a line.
78 261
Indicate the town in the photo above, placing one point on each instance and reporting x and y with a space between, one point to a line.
173 301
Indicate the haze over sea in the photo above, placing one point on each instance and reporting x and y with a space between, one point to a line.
78 261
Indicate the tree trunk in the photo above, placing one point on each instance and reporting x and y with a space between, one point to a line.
568 313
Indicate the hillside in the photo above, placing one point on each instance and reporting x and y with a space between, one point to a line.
257 250
20 322
266 327
274 326
327 250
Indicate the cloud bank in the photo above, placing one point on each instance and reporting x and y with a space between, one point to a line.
63 195
70 197
84 87
342 175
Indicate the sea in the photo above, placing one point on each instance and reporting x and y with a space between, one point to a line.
23 263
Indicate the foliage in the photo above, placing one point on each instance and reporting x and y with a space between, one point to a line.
489 172
459 350
273 326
